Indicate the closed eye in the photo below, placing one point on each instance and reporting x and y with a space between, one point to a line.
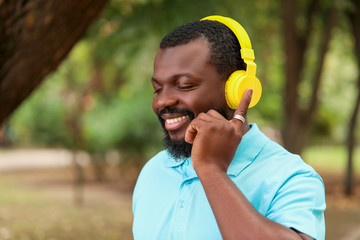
157 91
156 85
186 87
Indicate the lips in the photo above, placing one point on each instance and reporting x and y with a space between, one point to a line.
173 123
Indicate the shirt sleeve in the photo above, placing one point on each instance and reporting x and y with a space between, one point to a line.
300 204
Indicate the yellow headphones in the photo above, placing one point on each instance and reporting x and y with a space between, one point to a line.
240 80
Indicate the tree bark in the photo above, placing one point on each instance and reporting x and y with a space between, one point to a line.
298 119
35 36
349 178
354 18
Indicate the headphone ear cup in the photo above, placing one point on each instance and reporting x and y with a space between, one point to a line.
236 85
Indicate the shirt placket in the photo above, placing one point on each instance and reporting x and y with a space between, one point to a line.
182 207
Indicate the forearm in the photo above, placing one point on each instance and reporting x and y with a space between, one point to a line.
235 216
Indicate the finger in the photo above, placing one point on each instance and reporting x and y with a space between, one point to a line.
215 114
190 133
204 117
210 116
243 107
195 126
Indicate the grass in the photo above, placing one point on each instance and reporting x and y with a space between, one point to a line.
330 158
35 207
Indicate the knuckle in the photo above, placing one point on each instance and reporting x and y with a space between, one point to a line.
211 111
243 113
201 115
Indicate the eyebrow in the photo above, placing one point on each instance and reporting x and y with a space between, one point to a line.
176 76
183 75
154 80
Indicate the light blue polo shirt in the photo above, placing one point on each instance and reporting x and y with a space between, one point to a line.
169 201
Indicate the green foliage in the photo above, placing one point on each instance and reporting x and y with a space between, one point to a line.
330 158
125 123
40 120
104 85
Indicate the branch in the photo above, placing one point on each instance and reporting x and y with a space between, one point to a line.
289 10
303 40
330 22
35 37
354 18
296 44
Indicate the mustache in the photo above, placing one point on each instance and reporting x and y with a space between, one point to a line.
175 110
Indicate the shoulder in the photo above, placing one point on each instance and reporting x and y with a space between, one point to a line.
270 156
154 164
147 174
298 191
274 156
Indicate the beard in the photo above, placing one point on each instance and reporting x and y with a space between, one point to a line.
179 149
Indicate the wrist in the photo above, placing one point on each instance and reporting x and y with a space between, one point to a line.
208 170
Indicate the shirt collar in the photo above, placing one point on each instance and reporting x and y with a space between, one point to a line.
250 146
172 162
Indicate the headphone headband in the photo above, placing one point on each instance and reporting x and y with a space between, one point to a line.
240 80
246 51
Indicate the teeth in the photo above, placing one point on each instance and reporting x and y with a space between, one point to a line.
174 120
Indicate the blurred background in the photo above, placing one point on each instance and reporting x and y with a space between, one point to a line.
75 104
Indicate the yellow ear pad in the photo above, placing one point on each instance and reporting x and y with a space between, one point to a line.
236 85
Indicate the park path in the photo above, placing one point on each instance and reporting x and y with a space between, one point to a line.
21 159
352 235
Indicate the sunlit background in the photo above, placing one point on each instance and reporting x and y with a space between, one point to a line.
70 154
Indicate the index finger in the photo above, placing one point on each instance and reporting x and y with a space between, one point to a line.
243 106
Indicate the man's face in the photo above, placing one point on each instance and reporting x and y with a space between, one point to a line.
185 85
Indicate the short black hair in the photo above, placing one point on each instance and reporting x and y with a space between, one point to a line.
224 46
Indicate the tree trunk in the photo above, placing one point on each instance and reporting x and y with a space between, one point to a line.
354 18
349 179
298 119
79 180
35 36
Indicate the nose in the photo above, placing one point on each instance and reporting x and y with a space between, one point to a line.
164 99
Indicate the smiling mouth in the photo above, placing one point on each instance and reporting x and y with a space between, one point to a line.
175 120
172 124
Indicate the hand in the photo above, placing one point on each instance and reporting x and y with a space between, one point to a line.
214 138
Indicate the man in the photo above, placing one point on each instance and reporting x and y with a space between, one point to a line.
219 177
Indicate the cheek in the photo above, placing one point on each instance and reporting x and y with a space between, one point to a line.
220 95
208 100
154 107
217 95
153 104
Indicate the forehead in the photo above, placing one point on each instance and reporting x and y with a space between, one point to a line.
193 56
